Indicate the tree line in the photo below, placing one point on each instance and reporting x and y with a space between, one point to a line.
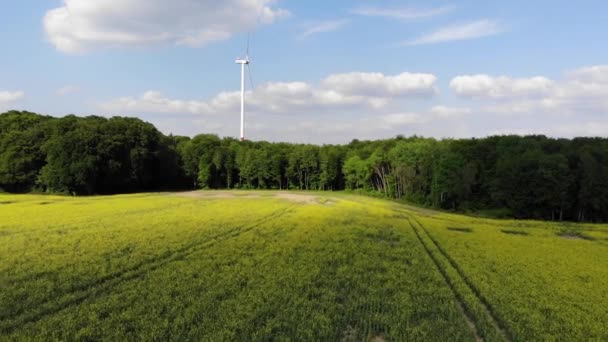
512 176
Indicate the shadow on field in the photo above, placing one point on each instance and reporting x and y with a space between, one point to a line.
515 232
460 230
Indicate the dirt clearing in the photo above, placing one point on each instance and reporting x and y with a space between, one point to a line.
289 196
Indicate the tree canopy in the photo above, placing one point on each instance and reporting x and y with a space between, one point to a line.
528 177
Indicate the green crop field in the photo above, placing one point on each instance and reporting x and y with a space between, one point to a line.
250 266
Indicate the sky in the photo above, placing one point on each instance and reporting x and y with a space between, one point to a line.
320 72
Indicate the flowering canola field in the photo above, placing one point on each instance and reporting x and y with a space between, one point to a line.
291 266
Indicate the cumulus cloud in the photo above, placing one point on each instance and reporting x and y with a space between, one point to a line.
450 112
592 74
9 97
589 129
337 130
363 127
81 25
589 83
154 102
377 84
338 91
352 105
582 129
583 90
398 119
500 87
473 30
342 107
401 13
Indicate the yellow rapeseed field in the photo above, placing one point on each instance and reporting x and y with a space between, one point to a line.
250 266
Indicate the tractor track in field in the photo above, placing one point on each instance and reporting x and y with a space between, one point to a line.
459 300
497 324
102 285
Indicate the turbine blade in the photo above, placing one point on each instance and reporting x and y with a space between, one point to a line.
250 77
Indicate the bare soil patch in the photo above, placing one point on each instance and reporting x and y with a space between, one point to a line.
300 198
214 194
289 196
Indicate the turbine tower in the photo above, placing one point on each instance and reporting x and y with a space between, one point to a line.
243 63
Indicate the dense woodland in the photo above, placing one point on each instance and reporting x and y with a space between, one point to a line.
524 177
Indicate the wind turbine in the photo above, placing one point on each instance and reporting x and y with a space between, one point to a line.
244 62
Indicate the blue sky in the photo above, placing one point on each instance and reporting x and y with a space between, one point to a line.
323 71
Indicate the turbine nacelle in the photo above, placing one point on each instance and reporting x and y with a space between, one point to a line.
242 61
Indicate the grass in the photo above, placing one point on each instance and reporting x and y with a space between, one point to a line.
253 266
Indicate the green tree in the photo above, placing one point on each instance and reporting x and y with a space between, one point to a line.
356 173
199 152
22 135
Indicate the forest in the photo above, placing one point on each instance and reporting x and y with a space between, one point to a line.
531 177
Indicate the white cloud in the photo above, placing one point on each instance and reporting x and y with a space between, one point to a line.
500 87
353 105
473 30
342 107
589 129
336 130
9 97
326 26
401 13
450 112
154 102
377 84
68 90
364 127
582 91
588 83
399 119
336 92
592 74
579 129
81 25
573 106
